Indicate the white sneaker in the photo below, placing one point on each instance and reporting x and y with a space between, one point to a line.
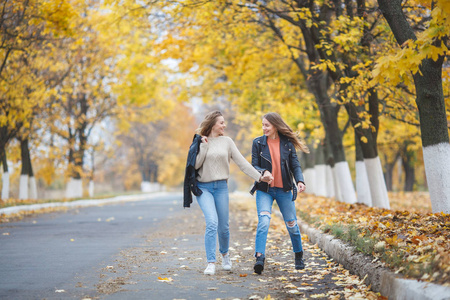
210 269
226 262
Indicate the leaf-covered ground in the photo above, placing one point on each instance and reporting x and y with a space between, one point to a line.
408 238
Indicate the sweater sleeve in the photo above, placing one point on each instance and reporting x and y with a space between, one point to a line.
242 163
201 155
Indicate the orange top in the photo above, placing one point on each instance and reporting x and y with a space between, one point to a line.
274 148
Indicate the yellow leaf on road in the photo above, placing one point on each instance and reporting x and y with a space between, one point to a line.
164 279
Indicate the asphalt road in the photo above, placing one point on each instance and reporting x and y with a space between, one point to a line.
59 255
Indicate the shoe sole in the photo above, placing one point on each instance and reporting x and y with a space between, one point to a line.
227 268
258 269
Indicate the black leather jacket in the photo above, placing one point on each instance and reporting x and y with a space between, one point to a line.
190 177
290 166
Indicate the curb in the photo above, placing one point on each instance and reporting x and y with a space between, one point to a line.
382 280
80 203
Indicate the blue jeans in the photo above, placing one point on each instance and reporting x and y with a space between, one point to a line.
264 203
214 204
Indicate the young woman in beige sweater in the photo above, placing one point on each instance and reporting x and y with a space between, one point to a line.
213 166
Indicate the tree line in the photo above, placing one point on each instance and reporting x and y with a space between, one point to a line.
346 73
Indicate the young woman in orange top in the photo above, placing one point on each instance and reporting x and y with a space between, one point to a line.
274 153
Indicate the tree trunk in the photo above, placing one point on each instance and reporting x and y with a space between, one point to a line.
320 170
362 180
408 166
378 190
317 84
5 175
74 187
24 175
432 112
91 188
388 174
332 185
32 183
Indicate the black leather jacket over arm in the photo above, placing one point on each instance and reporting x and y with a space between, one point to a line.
190 177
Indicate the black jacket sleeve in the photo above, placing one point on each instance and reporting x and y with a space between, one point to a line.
190 176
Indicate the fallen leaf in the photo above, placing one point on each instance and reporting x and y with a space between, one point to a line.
164 279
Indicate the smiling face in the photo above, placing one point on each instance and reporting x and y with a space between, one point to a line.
269 130
218 128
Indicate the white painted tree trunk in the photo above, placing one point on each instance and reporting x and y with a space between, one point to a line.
74 188
399 171
346 190
331 192
78 188
337 190
33 188
23 187
155 187
91 188
5 185
337 187
146 186
437 169
378 189
321 180
362 184
310 177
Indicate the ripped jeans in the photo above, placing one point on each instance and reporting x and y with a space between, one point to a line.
264 203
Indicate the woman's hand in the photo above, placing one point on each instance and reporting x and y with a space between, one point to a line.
301 187
205 139
267 177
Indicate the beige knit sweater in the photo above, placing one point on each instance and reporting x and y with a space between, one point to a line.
213 160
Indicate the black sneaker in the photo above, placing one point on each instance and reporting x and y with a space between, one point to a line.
259 265
299 262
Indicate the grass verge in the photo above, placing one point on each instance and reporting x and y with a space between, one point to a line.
412 243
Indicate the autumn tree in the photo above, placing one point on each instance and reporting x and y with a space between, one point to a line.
423 53
25 28
143 140
82 102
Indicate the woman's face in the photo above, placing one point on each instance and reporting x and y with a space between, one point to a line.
219 128
268 128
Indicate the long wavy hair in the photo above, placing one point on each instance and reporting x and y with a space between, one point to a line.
284 129
208 123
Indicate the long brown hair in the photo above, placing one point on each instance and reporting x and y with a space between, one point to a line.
208 123
284 129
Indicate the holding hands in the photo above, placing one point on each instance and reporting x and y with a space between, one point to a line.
267 177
